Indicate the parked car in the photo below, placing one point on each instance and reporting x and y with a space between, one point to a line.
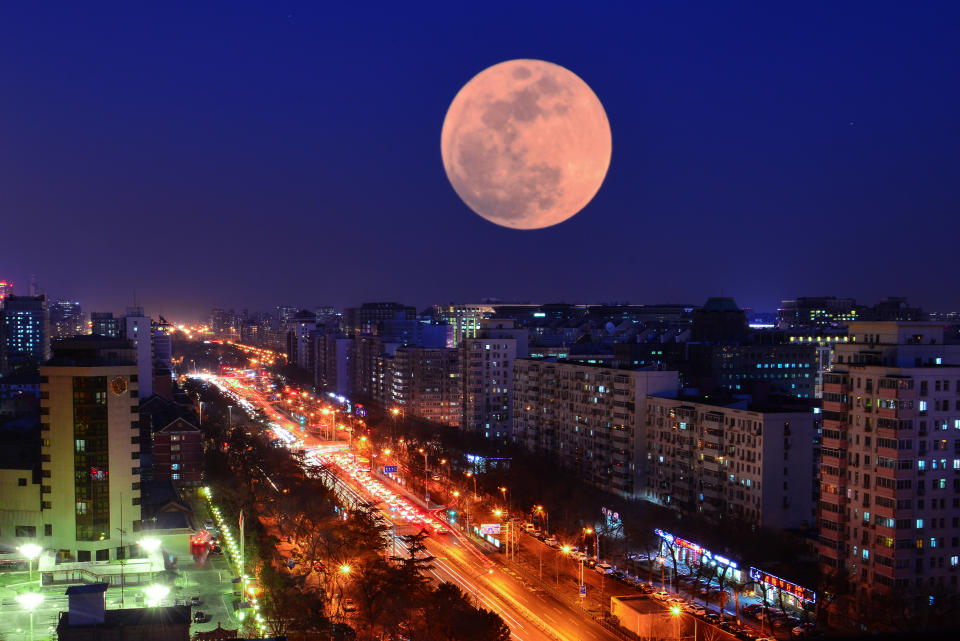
801 631
195 601
729 626
712 617
552 542
662 595
604 568
199 617
751 608
349 605
591 562
748 634
208 525
646 589
695 609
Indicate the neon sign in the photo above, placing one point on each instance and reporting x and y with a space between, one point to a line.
783 585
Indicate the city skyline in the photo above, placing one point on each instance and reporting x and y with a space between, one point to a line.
244 157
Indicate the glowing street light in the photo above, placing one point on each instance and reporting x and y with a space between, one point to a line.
675 611
31 551
30 601
345 569
150 544
155 594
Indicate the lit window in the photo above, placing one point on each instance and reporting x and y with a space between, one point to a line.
919 524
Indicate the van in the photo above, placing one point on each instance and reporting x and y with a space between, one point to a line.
604 568
528 527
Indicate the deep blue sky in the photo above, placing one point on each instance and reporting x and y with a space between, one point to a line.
254 154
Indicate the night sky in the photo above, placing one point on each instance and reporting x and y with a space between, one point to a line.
255 154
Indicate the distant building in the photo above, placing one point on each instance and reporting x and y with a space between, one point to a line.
465 319
178 453
6 289
719 321
332 371
366 319
829 311
66 319
733 461
588 418
105 325
487 377
27 325
299 326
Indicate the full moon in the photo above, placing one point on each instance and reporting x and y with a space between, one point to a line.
526 144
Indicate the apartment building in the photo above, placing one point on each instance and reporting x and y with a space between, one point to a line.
732 460
889 512
588 417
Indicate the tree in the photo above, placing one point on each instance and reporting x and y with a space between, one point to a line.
449 616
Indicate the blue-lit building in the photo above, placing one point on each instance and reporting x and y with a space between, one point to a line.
27 326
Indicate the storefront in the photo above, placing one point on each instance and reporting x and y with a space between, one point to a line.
691 556
772 589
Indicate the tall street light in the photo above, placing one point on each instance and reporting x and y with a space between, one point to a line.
675 611
30 601
31 551
474 477
155 594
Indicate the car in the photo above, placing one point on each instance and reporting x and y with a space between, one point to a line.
590 562
752 608
349 605
695 609
195 601
645 588
208 524
729 626
662 595
604 568
552 542
747 634
712 617
802 630
199 617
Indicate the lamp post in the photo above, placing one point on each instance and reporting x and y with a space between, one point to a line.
31 551
426 477
474 477
30 601
675 611
546 515
662 562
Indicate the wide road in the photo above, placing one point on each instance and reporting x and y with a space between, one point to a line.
533 615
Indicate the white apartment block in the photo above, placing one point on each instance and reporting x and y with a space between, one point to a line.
589 418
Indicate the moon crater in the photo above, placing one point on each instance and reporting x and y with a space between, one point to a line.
526 144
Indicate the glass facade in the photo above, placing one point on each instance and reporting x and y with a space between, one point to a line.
91 458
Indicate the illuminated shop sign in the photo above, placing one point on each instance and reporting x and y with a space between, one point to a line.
783 585
690 545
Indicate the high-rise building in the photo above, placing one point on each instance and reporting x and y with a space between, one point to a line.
588 418
890 457
487 377
27 323
732 460
425 382
90 450
178 453
66 319
105 325
138 330
298 330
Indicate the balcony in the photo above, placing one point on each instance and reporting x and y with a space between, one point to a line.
835 406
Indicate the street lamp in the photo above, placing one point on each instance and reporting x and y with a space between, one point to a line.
675 611
155 594
150 543
30 601
345 569
31 551
546 516
474 477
